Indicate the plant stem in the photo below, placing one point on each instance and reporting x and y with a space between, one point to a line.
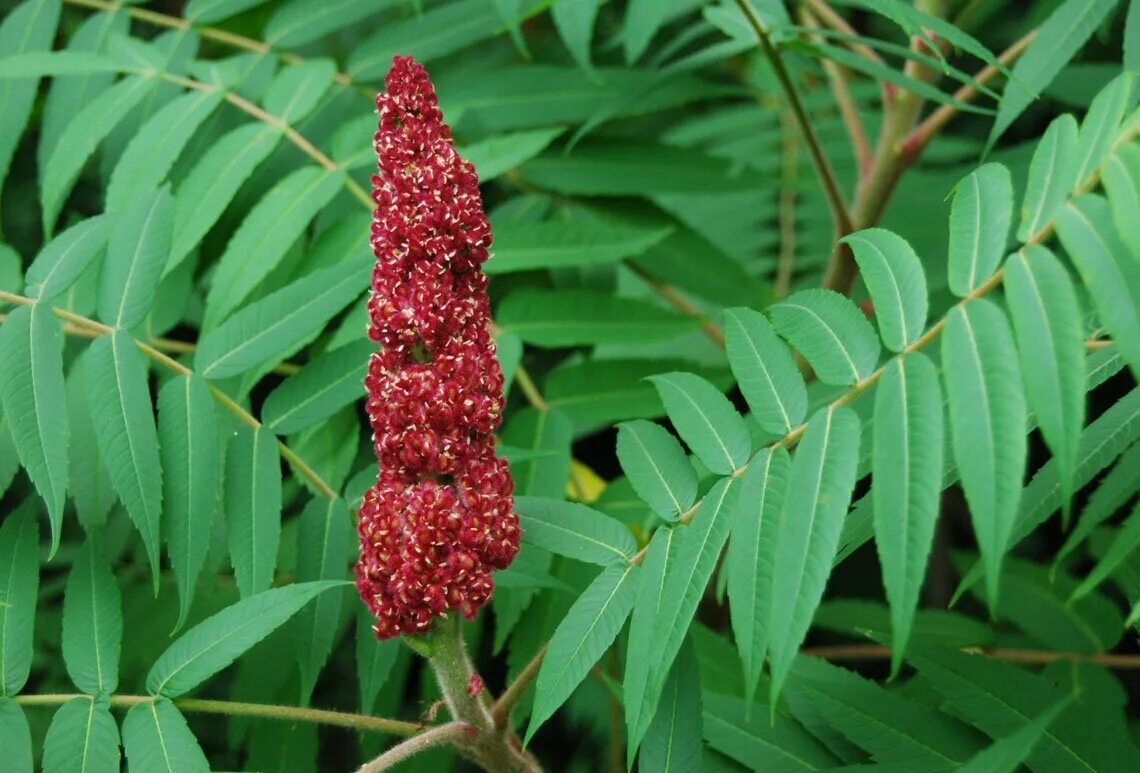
839 213
451 734
680 303
501 712
786 213
877 652
836 22
234 708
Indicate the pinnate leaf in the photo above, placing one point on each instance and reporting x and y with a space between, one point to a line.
1052 175
673 741
19 585
92 622
657 467
136 256
253 507
61 262
329 382
556 318
894 277
706 420
574 531
765 370
980 217
156 737
831 333
83 738
15 737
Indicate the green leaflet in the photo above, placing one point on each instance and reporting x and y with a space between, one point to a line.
587 630
374 659
1112 276
269 328
831 333
1111 493
83 737
19 585
31 387
1052 175
979 227
62 260
188 435
329 382
253 507
751 557
907 482
324 542
1058 40
1120 175
642 20
210 186
136 255
673 740
120 397
156 737
1006 755
1123 545
92 622
575 531
895 279
90 484
498 155
765 370
26 29
1001 698
267 232
208 11
298 89
553 244
1101 125
780 745
1050 344
862 619
557 318
821 480
548 434
15 737
303 21
705 420
217 641
152 151
575 25
890 727
987 422
657 467
90 125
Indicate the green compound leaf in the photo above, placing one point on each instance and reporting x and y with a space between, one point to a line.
831 333
1050 343
895 279
156 737
31 387
92 622
253 507
765 370
136 256
62 260
705 420
574 531
1052 175
657 468
906 466
980 217
820 483
217 641
19 586
751 557
124 426
588 629
83 738
188 435
987 422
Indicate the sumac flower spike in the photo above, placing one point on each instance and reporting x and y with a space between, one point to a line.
441 515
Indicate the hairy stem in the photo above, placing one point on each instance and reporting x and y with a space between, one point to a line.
451 734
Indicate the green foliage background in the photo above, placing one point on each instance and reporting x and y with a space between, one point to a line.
183 272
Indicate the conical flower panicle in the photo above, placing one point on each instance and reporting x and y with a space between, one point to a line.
441 515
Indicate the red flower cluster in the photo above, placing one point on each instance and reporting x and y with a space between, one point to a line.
440 516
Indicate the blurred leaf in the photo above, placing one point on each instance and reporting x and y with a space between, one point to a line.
831 333
673 741
979 226
1123 545
895 279
587 631
156 737
907 473
1132 38
705 420
549 434
209 11
62 260
1111 493
779 746
19 585
27 28
31 386
92 622
15 737
253 507
188 435
765 370
303 21
374 659
1120 175
987 423
1101 126
820 483
574 20
1052 175
554 244
642 20
557 318
859 618
575 531
298 88
120 399
751 557
1006 755
657 468
495 156
217 641
1050 344
136 255
83 737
